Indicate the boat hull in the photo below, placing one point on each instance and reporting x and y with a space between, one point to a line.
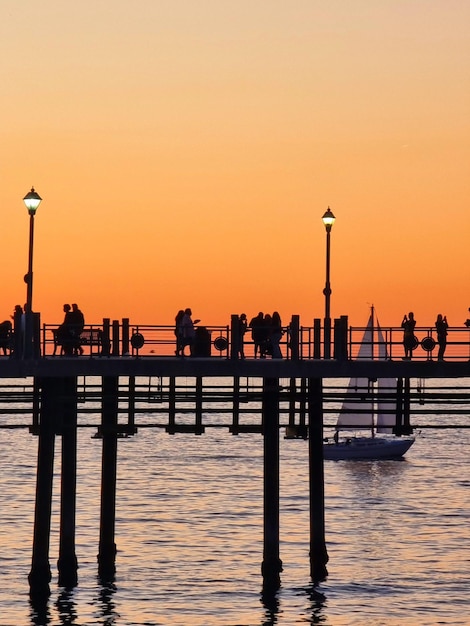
367 448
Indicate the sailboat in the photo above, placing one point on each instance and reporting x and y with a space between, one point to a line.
359 414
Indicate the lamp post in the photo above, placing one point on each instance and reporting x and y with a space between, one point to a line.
32 200
328 220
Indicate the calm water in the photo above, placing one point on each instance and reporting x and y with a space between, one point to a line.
189 534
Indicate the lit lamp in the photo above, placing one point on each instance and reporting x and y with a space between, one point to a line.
32 200
328 219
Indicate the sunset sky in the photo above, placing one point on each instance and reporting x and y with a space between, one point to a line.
186 150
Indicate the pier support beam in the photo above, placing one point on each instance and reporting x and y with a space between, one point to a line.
107 545
407 430
236 406
272 564
40 574
67 564
318 553
199 429
171 405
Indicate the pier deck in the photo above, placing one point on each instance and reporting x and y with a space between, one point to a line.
215 366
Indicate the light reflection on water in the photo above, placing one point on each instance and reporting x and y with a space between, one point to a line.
189 534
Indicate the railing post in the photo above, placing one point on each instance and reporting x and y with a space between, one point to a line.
317 338
125 336
341 338
105 337
115 340
234 336
36 335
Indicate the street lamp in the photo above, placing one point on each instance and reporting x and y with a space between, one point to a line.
32 200
328 220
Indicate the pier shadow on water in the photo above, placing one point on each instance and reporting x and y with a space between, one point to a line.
272 604
66 608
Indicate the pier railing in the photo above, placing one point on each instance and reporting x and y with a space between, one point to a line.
300 342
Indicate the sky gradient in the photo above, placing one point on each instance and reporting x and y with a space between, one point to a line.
186 151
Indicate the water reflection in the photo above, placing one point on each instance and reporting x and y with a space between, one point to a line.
107 605
317 601
66 607
270 602
40 614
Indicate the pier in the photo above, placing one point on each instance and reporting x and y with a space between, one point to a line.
132 373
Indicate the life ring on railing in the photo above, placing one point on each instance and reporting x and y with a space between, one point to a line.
137 341
411 343
428 344
220 344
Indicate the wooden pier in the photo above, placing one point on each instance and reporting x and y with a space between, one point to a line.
283 393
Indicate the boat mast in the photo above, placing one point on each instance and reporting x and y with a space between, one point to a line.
371 385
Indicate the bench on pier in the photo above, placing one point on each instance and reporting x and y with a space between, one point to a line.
88 337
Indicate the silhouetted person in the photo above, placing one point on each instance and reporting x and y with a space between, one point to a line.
409 342
276 335
265 336
179 333
467 321
189 331
64 337
441 330
257 332
18 330
77 324
242 326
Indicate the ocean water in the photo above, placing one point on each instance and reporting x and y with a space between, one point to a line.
189 533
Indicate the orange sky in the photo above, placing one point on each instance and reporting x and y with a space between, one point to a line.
186 151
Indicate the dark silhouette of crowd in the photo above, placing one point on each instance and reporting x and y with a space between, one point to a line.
67 335
266 333
185 332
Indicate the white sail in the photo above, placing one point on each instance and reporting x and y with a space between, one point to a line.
349 419
373 346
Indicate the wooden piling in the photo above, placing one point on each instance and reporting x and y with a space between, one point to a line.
67 564
318 553
131 405
272 564
171 405
292 395
107 545
303 402
293 430
199 428
236 406
399 408
40 574
406 407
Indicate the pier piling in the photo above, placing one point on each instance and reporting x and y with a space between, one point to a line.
67 563
272 564
318 553
40 574
107 545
